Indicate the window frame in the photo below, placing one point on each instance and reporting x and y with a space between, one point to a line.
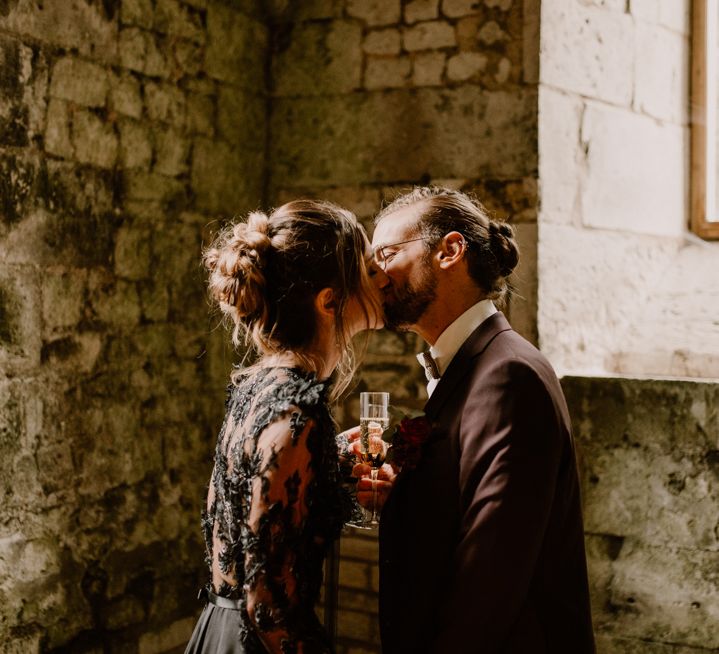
703 118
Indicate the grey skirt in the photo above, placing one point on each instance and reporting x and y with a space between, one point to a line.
218 629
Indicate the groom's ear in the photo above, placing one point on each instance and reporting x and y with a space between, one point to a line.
325 303
451 250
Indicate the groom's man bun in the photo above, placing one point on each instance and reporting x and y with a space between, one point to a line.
492 251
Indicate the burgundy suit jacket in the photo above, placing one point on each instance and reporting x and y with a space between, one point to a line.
482 544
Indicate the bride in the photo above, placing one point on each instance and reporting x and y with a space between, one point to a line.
297 284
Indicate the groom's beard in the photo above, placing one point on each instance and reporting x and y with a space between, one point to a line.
410 303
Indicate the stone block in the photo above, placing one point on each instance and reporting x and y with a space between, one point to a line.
63 300
359 548
158 50
76 353
125 96
499 130
137 12
186 58
115 304
466 30
80 82
224 179
459 8
88 28
177 19
18 176
201 114
354 624
598 68
465 65
152 187
428 68
506 5
155 301
375 12
242 118
236 47
418 10
94 140
322 58
135 145
23 88
491 33
644 190
133 43
172 153
57 133
354 574
676 15
431 35
661 70
132 253
20 319
318 9
166 103
384 72
665 594
561 158
382 42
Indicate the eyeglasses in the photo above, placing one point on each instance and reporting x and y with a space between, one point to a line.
382 258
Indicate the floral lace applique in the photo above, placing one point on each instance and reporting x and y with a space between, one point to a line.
275 503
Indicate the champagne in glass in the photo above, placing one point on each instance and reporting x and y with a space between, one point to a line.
374 420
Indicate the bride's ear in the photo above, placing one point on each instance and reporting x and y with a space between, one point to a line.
325 303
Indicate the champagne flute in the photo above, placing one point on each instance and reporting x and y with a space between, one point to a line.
374 421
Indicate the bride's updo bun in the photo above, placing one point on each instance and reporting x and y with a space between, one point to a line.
492 252
236 262
265 271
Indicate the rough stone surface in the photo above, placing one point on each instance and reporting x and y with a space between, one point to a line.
647 452
354 147
418 10
110 376
384 73
375 12
615 195
647 181
428 68
598 67
382 42
429 36
325 58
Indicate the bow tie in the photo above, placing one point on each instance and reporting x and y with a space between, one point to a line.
430 366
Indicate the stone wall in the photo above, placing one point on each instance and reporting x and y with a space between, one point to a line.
650 472
125 129
624 287
369 97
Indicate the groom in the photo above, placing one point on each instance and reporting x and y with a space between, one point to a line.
481 543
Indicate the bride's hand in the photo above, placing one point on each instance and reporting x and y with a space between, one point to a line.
385 481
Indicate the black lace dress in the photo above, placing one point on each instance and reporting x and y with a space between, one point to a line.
275 503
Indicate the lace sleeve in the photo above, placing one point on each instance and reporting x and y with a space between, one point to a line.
275 532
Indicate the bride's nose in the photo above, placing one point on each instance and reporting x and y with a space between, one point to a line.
379 276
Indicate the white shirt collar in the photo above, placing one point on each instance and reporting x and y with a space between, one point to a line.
452 338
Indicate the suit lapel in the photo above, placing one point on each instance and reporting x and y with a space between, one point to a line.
475 344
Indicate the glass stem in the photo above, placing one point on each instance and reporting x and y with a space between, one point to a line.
373 477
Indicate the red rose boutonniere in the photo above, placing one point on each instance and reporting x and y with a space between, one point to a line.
407 439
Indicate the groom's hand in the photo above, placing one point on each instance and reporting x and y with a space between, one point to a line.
385 480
